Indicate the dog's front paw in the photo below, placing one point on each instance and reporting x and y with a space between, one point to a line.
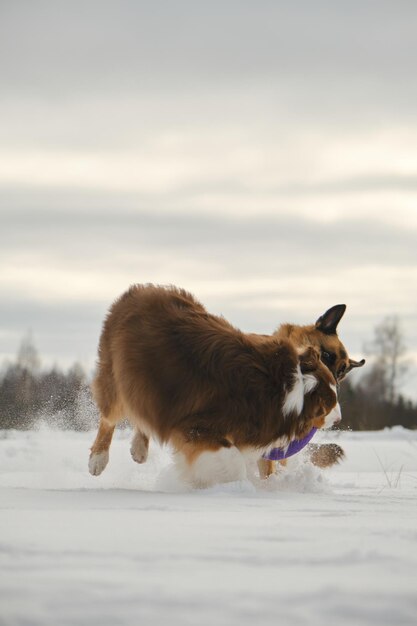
98 462
325 454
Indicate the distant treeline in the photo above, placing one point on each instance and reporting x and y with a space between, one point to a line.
363 410
29 393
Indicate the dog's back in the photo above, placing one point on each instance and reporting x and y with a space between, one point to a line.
165 363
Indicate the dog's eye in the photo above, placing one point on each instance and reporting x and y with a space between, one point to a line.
328 358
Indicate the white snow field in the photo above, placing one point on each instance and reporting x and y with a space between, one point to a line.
133 546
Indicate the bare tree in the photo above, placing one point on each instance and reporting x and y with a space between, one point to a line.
28 364
390 365
27 356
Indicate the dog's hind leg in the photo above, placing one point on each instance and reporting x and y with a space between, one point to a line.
139 446
99 456
111 411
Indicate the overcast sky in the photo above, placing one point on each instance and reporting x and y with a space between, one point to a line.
261 154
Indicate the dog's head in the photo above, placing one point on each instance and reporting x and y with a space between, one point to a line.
323 337
332 351
320 406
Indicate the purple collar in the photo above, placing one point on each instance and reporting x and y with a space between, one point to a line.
277 454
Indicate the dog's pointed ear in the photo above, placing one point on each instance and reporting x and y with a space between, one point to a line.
328 322
353 364
309 360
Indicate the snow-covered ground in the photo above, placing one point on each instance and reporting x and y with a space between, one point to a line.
134 547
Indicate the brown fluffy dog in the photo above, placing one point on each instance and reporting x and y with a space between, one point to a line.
323 337
191 379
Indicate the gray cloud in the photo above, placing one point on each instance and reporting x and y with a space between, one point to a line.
304 59
100 39
251 245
